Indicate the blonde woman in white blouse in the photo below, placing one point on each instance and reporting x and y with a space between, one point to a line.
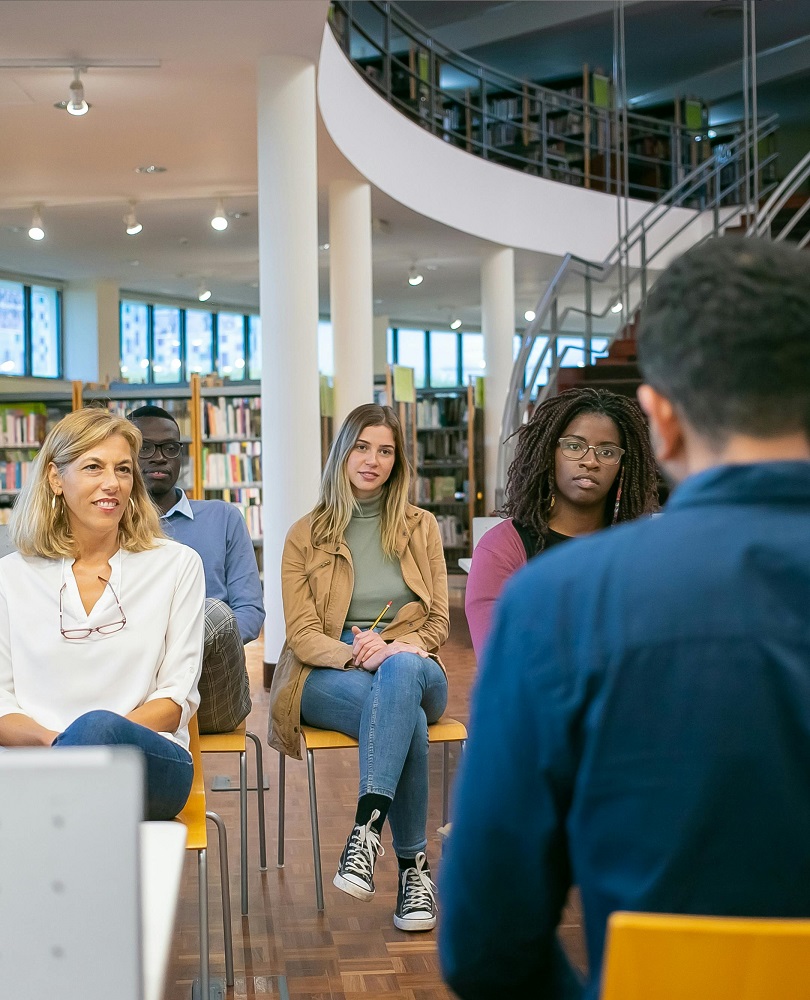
101 616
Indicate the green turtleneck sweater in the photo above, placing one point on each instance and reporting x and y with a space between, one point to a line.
377 580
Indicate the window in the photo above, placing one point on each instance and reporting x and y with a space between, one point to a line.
411 352
537 352
599 348
199 342
572 352
231 345
443 359
12 328
166 344
45 338
326 348
135 341
163 343
472 356
255 346
30 330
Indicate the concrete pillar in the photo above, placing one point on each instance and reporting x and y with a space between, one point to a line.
288 270
380 345
92 336
350 294
498 327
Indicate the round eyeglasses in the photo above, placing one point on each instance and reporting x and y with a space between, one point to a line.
605 454
169 449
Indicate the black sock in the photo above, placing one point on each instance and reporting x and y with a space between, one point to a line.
366 805
405 863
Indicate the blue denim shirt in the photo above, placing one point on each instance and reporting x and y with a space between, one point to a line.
641 729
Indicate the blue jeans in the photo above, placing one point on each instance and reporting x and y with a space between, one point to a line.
388 713
169 768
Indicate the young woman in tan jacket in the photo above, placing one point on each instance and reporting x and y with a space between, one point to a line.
364 550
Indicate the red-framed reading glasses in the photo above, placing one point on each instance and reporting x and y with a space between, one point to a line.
83 633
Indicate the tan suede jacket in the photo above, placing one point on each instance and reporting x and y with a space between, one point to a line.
316 589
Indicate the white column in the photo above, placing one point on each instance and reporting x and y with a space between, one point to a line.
350 294
92 335
288 271
498 327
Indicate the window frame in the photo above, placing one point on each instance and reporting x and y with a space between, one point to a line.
27 285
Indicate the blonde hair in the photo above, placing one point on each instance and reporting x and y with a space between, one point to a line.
39 525
336 502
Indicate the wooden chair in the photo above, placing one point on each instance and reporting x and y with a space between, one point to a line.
194 817
445 731
236 742
705 958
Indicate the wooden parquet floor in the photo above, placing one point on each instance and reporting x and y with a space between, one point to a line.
352 950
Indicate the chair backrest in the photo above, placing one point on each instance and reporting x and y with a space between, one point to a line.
672 957
481 526
69 873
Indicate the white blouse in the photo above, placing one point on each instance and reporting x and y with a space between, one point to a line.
157 654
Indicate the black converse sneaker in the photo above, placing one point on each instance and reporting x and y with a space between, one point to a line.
416 899
355 873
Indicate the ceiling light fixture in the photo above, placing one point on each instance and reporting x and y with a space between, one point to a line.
617 307
36 232
529 315
414 276
456 324
220 220
203 292
133 226
77 105
150 168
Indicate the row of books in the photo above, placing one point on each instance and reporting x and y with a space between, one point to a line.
22 426
440 489
443 411
178 408
241 462
238 417
438 446
14 475
452 531
249 502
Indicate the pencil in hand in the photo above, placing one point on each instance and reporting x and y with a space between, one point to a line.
380 616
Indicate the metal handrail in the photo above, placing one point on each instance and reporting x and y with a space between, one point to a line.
470 117
766 216
550 321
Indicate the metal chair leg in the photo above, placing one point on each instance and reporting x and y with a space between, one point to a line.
202 869
282 766
445 782
257 743
316 837
225 889
243 831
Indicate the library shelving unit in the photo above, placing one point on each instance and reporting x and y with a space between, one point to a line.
25 419
450 463
231 450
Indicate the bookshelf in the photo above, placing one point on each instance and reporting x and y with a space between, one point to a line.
450 463
24 422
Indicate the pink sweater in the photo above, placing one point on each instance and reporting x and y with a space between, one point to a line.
498 555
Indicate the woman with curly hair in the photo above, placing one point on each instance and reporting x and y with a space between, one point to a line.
583 462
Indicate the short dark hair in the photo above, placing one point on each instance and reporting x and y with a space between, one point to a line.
725 336
530 479
151 411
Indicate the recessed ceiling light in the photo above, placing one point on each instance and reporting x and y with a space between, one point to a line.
529 315
150 168
616 308
220 220
323 246
238 215
456 324
134 263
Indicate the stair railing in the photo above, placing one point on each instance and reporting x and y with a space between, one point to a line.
762 225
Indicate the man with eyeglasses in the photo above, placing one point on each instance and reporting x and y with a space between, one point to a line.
641 725
234 606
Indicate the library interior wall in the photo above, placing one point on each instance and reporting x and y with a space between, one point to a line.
91 315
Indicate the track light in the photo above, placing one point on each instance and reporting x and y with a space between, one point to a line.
219 221
617 307
133 226
203 292
414 277
456 324
76 105
529 315
36 232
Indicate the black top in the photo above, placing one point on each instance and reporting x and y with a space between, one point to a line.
531 542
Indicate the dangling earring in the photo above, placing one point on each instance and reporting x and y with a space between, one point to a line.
132 505
618 499
53 503
553 501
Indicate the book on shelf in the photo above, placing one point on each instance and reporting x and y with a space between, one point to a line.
14 474
444 411
179 409
249 502
233 417
452 531
443 488
238 462
23 424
